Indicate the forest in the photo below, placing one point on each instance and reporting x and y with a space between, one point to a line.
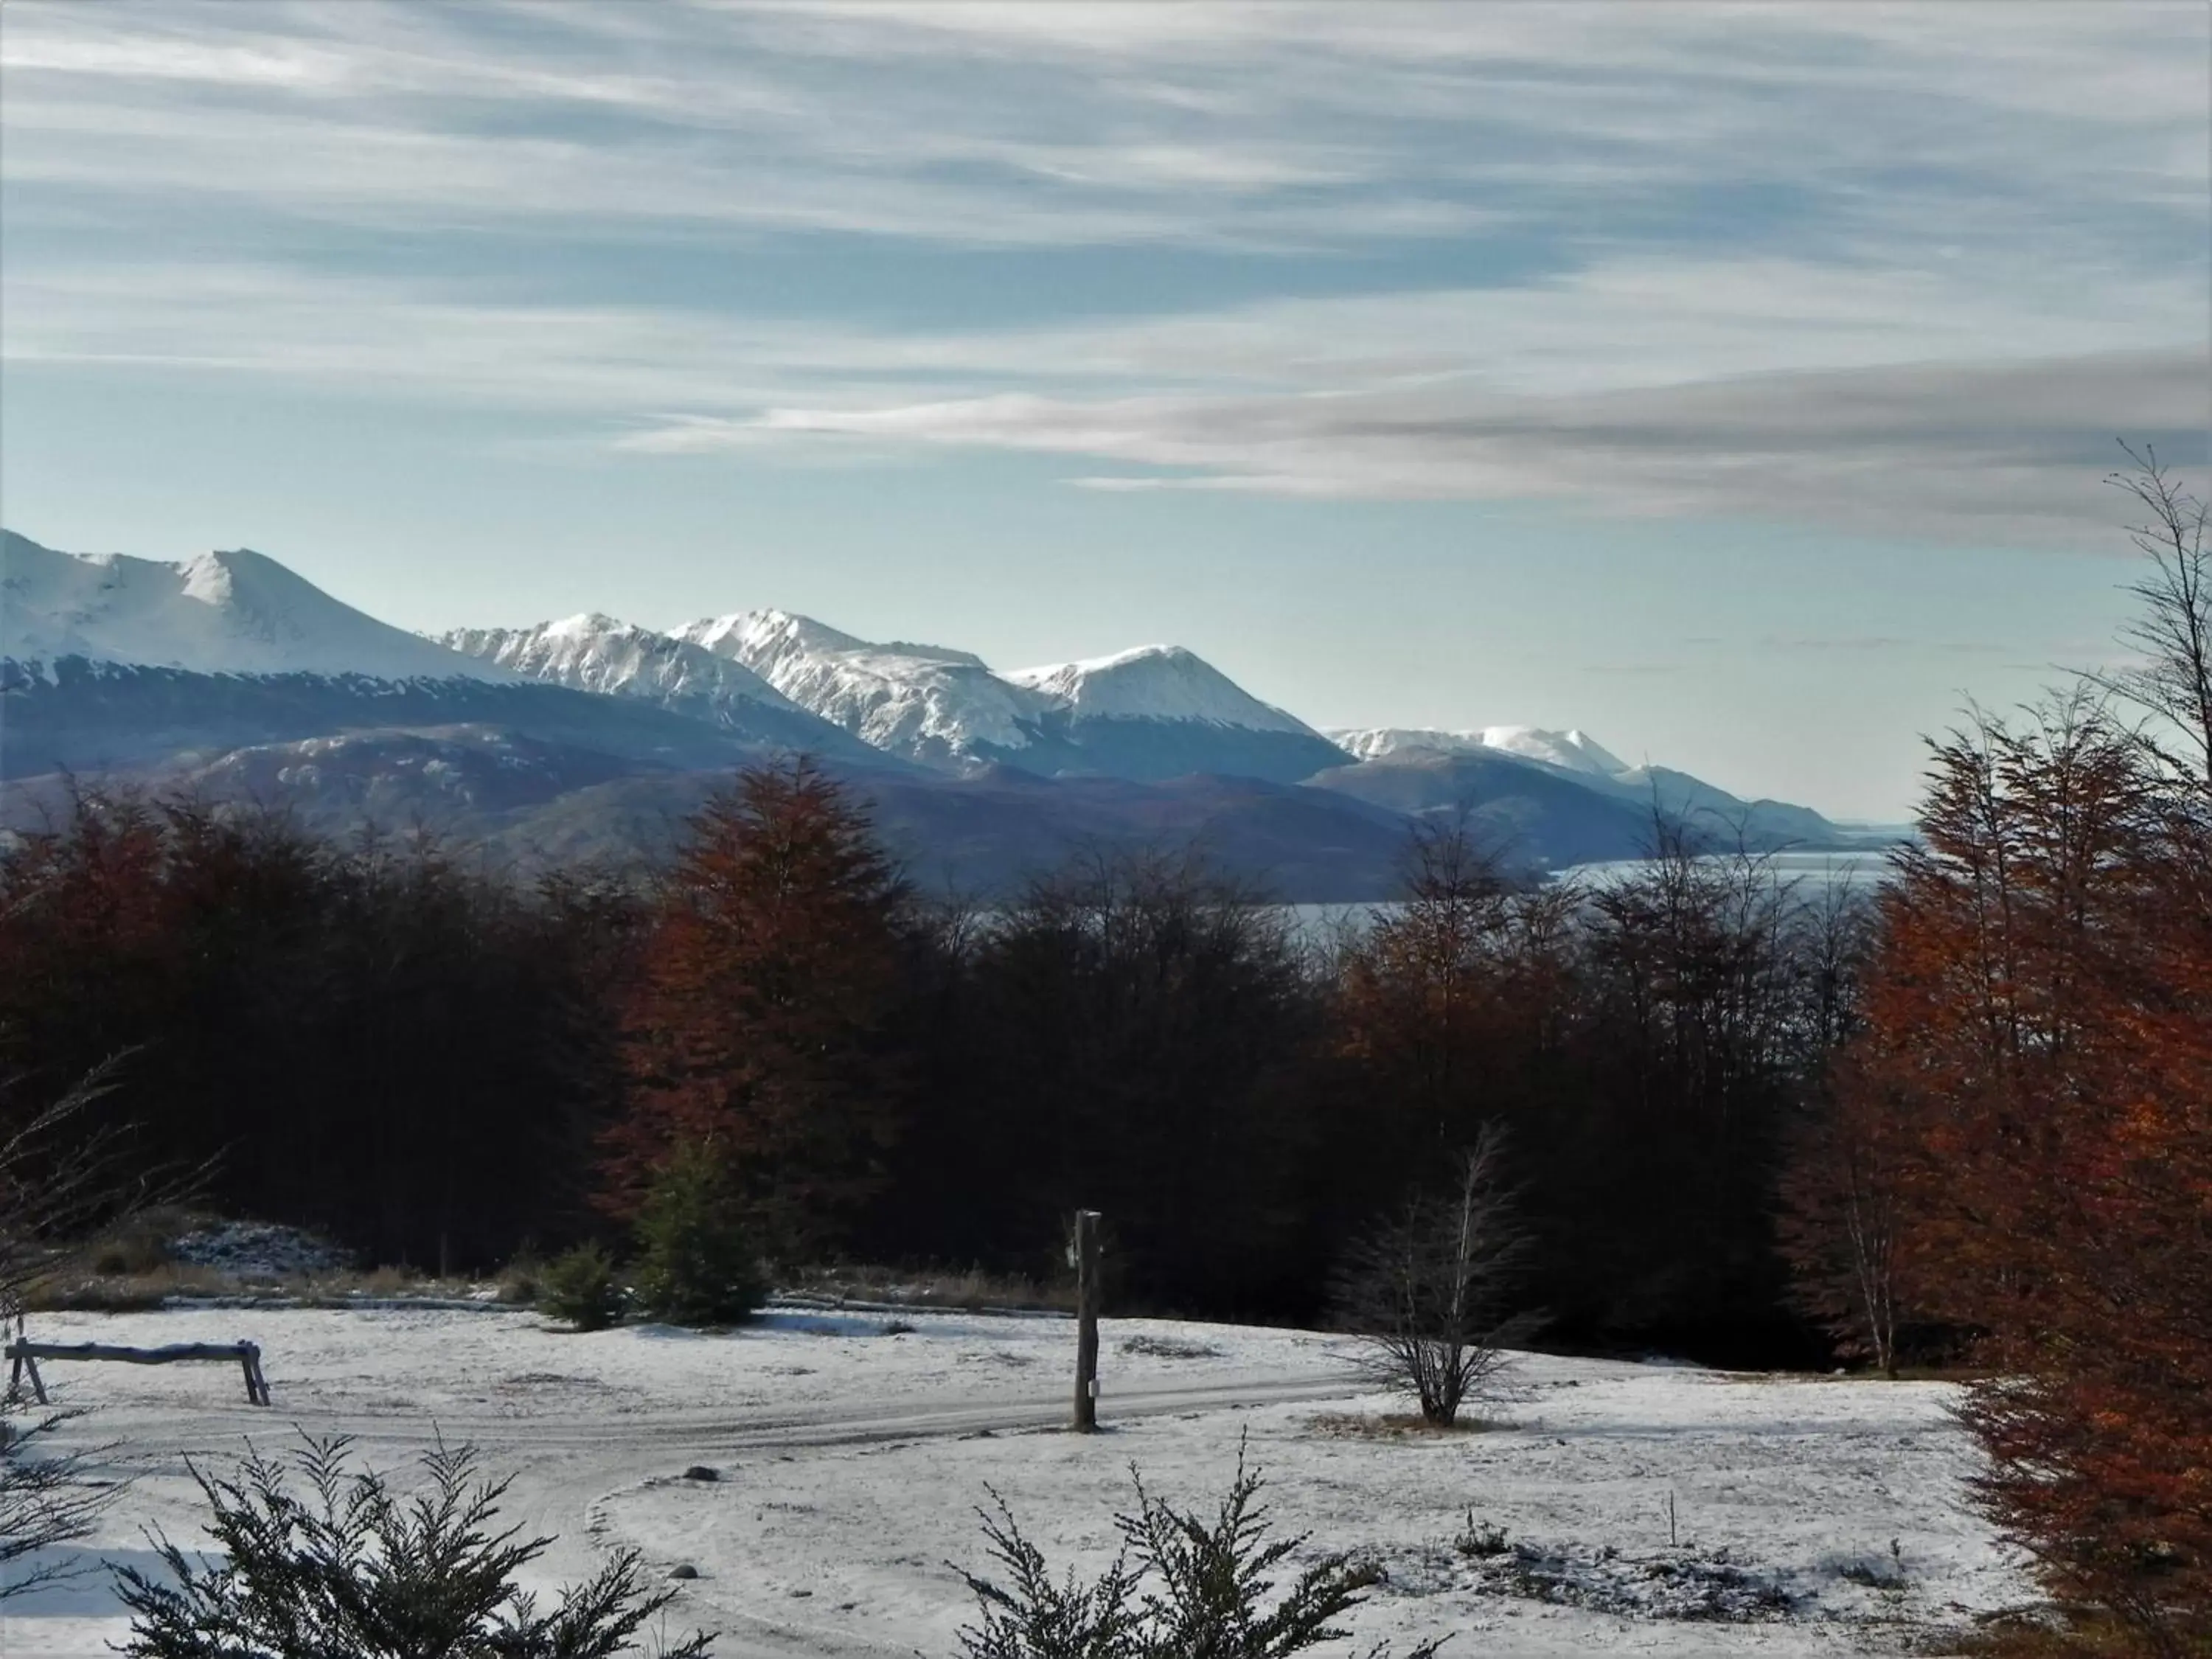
441 1068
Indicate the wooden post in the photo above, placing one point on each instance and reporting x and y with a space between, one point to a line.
256 1386
1086 1320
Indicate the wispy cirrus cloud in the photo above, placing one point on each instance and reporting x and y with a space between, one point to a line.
1019 124
1985 450
1908 267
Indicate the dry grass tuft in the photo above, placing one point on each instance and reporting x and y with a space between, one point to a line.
2044 1634
72 1285
969 1290
79 1288
1399 1425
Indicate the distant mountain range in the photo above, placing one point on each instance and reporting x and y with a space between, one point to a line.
1155 713
590 737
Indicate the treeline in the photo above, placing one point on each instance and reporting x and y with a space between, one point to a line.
372 1038
442 1068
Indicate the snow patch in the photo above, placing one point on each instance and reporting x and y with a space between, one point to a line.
258 1249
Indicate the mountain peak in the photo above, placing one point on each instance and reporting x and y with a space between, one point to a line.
230 611
590 624
1155 682
741 632
594 652
1572 750
941 707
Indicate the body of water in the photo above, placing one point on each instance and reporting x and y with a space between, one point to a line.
1861 868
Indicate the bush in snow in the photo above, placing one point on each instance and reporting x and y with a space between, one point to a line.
1199 1586
697 1261
351 1570
1426 1292
578 1285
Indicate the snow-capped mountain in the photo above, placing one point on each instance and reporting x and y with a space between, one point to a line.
107 661
1154 682
922 702
1156 711
1415 751
230 673
594 652
618 658
1571 752
236 612
1159 711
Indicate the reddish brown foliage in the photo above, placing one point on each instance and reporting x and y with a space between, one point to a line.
756 1028
2039 1038
1434 995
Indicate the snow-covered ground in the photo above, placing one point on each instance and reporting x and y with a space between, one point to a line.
850 1462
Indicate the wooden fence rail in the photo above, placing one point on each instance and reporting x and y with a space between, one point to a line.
24 1356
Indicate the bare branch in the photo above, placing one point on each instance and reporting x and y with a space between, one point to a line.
2174 631
1427 1291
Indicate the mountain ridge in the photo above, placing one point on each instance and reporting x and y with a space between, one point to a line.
230 673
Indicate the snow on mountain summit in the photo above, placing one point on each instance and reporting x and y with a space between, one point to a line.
1156 711
226 612
940 707
1155 682
1571 751
594 652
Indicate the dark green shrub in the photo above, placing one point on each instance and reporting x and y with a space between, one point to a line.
698 1263
351 1570
578 1285
1199 1586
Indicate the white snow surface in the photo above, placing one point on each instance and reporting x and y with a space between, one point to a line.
594 652
235 612
850 1462
1571 751
1155 682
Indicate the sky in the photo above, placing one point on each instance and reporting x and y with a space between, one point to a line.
1738 383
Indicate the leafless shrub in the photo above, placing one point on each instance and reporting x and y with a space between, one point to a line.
1428 1292
62 1173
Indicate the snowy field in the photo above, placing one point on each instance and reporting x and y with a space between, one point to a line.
1810 1515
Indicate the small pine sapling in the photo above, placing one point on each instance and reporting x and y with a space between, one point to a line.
698 1263
1201 1588
352 1569
580 1286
